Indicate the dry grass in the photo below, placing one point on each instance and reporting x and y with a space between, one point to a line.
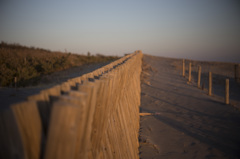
29 64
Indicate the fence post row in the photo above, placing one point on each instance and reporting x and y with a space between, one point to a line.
236 76
95 115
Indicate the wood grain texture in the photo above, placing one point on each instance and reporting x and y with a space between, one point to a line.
11 145
29 125
62 135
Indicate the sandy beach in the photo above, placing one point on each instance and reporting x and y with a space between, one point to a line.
181 120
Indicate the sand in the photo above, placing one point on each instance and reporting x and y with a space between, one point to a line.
182 121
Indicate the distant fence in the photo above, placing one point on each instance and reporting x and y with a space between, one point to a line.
210 79
92 116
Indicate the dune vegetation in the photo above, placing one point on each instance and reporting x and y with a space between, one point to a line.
29 64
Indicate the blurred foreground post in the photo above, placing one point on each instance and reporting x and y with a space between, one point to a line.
11 142
210 84
227 91
199 76
63 129
190 71
183 67
30 127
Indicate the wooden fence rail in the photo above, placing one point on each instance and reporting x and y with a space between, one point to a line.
92 116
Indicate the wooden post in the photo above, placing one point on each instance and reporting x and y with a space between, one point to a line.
210 84
189 72
199 76
183 67
227 91
100 116
78 98
11 143
30 127
63 131
91 89
44 108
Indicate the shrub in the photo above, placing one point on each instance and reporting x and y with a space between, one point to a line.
29 64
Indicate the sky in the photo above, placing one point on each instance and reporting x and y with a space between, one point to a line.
193 29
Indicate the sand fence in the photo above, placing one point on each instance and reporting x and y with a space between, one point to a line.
95 115
236 77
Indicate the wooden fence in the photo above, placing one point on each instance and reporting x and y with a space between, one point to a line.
92 116
210 79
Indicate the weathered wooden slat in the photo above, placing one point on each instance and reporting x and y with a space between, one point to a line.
29 124
79 99
11 146
62 135
91 89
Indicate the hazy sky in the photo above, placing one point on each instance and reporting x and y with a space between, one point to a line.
195 29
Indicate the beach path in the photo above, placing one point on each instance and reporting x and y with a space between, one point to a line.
182 121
